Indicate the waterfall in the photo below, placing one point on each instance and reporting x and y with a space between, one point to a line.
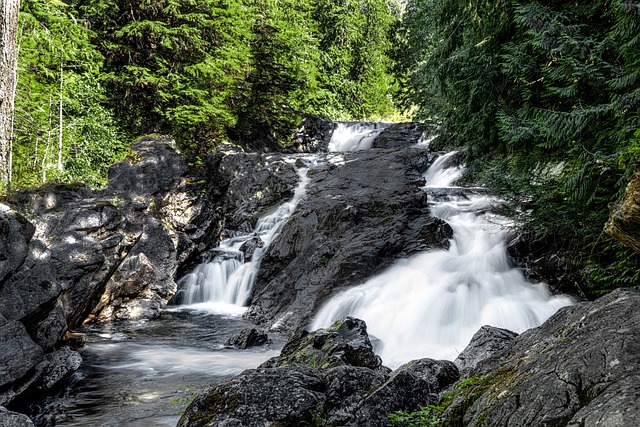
431 304
354 136
224 284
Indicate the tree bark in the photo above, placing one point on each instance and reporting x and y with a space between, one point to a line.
8 67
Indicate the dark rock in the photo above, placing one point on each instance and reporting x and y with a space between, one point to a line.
250 246
486 343
13 419
156 167
356 219
314 135
18 354
257 184
57 366
341 395
49 331
403 135
346 389
15 233
344 343
30 294
250 337
580 368
255 398
410 387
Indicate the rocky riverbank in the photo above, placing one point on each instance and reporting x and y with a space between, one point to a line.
580 368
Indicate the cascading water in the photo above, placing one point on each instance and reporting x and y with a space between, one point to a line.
354 136
431 304
224 284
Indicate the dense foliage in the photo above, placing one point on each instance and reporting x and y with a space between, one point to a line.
544 96
94 73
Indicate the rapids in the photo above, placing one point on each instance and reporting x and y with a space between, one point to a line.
431 304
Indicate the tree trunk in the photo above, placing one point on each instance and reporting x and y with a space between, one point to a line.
8 66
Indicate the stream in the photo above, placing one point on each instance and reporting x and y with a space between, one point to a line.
145 373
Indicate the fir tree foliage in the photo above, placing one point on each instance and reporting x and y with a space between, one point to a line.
59 100
543 96
173 66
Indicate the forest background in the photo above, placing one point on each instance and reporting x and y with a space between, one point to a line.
542 97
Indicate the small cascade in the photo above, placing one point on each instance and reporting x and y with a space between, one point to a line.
224 284
355 136
431 304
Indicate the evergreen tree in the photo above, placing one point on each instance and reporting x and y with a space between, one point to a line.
355 67
63 132
175 66
283 78
543 96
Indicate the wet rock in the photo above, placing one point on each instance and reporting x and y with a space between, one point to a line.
57 366
250 246
321 386
357 218
344 343
485 343
314 135
257 184
403 135
13 419
410 387
259 397
250 337
580 368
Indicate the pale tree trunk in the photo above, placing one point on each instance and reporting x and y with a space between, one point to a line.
60 123
8 67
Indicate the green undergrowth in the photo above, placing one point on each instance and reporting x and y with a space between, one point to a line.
433 415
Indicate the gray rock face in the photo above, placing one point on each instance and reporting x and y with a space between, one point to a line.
306 392
357 218
579 369
13 419
249 337
403 135
257 183
18 353
485 343
15 233
314 135
345 343
104 255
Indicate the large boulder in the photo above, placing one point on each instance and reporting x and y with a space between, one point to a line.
579 369
314 134
403 135
485 343
359 215
15 233
319 379
98 255
344 343
13 419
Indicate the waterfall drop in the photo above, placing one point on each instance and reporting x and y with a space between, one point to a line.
431 304
355 136
224 284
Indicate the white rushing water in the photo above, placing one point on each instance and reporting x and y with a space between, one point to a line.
224 285
354 136
431 304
